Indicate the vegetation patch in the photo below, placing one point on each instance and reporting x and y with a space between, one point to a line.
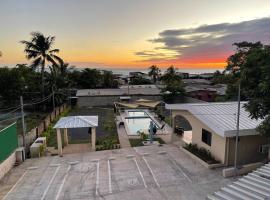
201 152
107 137
50 133
139 142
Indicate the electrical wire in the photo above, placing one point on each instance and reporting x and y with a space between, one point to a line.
10 112
5 109
10 119
38 102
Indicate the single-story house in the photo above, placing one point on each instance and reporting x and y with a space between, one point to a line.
213 127
107 97
205 92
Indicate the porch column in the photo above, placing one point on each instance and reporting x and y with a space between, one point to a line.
59 142
93 135
65 137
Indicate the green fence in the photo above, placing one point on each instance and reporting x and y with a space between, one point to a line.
8 141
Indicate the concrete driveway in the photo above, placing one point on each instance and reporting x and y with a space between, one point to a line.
132 173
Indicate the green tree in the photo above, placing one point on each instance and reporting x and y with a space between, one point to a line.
173 85
139 81
39 50
154 72
252 61
108 80
90 78
18 81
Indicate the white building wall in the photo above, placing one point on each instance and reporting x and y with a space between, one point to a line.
218 146
7 165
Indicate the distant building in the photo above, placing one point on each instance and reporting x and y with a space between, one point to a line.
133 75
183 74
212 126
205 92
107 97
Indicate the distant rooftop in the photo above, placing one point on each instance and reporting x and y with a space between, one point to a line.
220 117
133 90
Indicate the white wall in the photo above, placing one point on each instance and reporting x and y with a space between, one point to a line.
218 145
7 165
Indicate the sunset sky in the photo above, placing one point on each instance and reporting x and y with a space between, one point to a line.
135 33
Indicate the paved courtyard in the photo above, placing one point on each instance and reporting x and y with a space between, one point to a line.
152 172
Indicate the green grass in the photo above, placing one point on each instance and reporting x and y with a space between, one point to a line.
138 142
107 137
32 120
50 133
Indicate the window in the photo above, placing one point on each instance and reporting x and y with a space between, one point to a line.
206 137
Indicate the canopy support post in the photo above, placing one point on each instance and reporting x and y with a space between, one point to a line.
65 137
93 139
59 142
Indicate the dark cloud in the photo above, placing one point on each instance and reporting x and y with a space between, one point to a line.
208 41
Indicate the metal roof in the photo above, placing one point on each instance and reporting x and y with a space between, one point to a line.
221 117
119 91
254 186
77 122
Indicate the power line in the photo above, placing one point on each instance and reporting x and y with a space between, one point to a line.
5 109
38 102
10 119
10 112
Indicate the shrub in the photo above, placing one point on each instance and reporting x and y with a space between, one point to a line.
201 152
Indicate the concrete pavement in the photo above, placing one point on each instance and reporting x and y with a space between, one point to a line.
149 172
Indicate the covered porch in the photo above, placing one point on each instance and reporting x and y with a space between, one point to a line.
66 123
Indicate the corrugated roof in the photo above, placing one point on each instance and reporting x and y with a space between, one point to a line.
221 117
119 91
77 122
254 186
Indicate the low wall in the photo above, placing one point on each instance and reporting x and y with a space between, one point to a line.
245 169
7 165
205 164
32 135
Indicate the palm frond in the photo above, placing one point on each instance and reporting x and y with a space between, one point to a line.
50 59
59 60
54 51
36 62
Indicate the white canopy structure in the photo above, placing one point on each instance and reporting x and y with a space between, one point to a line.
75 122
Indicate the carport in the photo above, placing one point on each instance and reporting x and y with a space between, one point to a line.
75 122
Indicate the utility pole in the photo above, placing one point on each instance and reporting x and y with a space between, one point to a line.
128 87
23 123
53 101
237 130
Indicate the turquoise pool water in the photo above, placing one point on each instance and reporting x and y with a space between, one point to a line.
137 121
137 114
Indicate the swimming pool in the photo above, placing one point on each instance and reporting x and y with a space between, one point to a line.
137 121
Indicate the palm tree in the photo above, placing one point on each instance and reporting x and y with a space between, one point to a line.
154 72
39 49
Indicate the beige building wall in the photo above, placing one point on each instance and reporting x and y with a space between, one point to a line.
248 149
218 144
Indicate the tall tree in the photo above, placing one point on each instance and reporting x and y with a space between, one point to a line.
90 78
154 72
40 50
173 85
253 63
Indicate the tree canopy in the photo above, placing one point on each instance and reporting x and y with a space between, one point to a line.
173 85
154 72
251 64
